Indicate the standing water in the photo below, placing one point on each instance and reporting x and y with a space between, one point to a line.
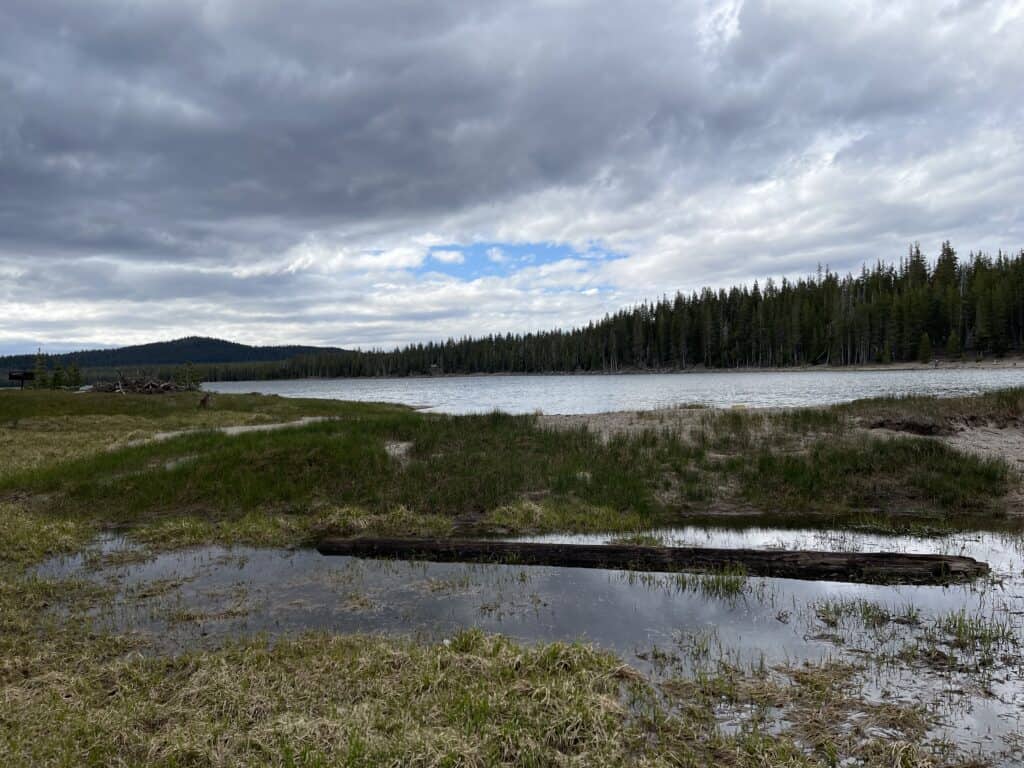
956 649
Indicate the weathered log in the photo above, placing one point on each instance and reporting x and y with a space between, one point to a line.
858 567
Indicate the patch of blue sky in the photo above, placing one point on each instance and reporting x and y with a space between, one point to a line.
493 259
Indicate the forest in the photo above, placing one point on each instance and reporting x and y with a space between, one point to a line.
913 310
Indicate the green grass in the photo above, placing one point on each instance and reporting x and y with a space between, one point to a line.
68 460
999 408
72 695
69 696
639 540
42 428
975 633
464 467
902 475
872 615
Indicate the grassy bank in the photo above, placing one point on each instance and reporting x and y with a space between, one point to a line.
384 469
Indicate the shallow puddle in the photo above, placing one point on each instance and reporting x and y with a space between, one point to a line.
956 648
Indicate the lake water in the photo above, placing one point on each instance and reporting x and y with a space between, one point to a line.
568 394
660 623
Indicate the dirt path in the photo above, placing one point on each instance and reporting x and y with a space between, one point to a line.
159 437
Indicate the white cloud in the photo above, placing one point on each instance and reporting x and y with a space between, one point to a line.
295 197
448 257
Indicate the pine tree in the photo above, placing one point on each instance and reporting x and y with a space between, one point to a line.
40 378
886 356
953 345
924 349
74 375
58 378
959 305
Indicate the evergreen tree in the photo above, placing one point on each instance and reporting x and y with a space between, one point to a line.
953 345
74 375
885 312
924 349
40 378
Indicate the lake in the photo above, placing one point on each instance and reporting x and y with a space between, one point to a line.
569 394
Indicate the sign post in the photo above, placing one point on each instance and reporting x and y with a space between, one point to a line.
21 376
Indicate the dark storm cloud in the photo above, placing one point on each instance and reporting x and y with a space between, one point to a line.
247 152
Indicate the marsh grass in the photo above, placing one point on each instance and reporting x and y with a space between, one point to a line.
967 642
457 466
40 428
975 633
494 471
72 695
644 539
30 536
724 583
827 722
721 584
908 475
872 615
472 700
999 408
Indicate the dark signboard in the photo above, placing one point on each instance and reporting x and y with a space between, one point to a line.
21 376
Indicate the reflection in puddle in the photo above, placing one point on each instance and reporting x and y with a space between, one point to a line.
661 623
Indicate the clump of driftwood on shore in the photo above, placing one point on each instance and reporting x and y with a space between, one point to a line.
143 386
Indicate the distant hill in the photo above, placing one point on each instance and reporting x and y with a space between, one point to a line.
194 349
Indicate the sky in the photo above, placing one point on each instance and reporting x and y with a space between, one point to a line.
367 174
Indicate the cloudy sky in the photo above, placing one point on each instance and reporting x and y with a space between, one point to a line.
368 173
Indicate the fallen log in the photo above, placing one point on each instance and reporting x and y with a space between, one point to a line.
858 567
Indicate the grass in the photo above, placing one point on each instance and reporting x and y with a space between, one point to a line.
957 640
922 413
722 584
975 633
73 695
872 615
828 723
299 478
496 472
908 475
639 540
51 427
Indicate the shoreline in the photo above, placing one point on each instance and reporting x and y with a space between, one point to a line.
1006 363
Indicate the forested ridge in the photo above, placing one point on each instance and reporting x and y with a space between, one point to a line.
915 309
192 349
912 310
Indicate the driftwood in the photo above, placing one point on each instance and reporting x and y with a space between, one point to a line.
859 567
139 386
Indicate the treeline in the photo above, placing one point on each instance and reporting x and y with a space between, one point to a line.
900 312
911 310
